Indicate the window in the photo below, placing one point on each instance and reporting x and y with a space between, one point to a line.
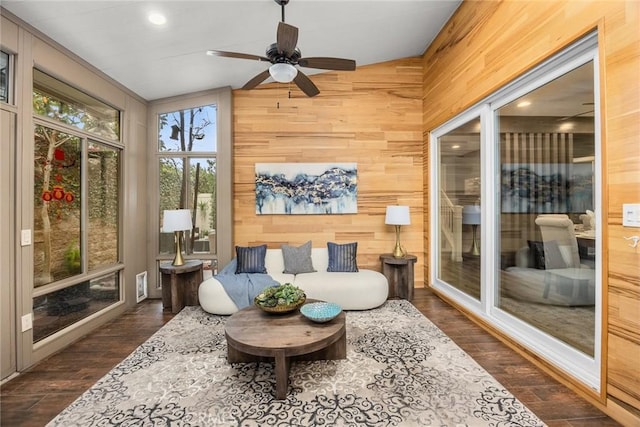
5 76
77 196
192 164
532 162
65 104
187 165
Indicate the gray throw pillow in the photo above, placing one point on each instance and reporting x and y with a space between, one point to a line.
552 255
297 259
342 258
251 259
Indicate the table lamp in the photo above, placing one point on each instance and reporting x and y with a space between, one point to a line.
471 215
397 215
177 221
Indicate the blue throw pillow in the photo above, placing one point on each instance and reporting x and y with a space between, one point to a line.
536 248
251 259
342 258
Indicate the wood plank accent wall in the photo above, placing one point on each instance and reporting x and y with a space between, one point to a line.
487 44
371 116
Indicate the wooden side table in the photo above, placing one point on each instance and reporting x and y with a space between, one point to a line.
399 274
180 284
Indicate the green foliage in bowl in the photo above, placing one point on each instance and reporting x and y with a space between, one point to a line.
282 295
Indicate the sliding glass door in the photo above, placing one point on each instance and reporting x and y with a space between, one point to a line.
547 195
459 207
522 167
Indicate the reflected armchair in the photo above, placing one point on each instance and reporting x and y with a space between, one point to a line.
564 270
558 233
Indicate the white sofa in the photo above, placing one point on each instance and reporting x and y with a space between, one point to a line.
362 290
563 286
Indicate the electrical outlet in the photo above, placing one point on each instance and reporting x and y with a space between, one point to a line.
27 322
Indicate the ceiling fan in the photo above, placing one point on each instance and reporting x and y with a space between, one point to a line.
284 56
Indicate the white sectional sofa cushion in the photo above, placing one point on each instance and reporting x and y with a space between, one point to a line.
360 290
563 286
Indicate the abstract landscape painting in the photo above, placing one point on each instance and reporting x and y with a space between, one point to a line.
547 188
306 188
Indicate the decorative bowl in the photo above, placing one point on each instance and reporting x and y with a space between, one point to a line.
280 299
320 312
285 308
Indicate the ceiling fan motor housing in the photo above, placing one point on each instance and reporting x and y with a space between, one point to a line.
275 57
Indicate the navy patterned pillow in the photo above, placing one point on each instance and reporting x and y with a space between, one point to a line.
342 258
537 251
251 259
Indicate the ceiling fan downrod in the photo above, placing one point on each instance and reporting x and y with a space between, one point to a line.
282 4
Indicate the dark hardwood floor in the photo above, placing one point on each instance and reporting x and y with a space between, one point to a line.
39 394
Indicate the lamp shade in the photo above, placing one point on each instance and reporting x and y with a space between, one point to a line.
471 215
176 220
283 72
397 215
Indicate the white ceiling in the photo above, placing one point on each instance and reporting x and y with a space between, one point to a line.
157 62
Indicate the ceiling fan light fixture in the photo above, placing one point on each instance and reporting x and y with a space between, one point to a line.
283 72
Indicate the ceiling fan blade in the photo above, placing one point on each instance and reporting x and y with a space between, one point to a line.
286 38
328 63
256 80
305 84
574 116
237 55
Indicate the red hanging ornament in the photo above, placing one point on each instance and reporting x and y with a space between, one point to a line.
58 154
46 196
69 197
58 193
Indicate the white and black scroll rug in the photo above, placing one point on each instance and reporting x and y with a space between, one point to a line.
401 370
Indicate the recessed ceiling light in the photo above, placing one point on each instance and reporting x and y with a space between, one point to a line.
157 18
524 104
455 147
566 126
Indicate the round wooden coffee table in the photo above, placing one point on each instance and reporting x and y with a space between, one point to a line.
253 336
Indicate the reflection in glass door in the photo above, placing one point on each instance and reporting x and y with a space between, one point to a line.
459 208
547 220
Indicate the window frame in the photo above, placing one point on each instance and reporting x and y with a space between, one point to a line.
85 276
222 98
9 83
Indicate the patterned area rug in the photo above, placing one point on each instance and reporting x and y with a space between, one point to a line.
401 370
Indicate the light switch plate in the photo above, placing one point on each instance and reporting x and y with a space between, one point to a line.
631 215
27 323
25 237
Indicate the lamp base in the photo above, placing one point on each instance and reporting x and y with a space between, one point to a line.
178 260
397 250
475 248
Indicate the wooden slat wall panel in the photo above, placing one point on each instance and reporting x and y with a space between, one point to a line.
487 44
372 116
